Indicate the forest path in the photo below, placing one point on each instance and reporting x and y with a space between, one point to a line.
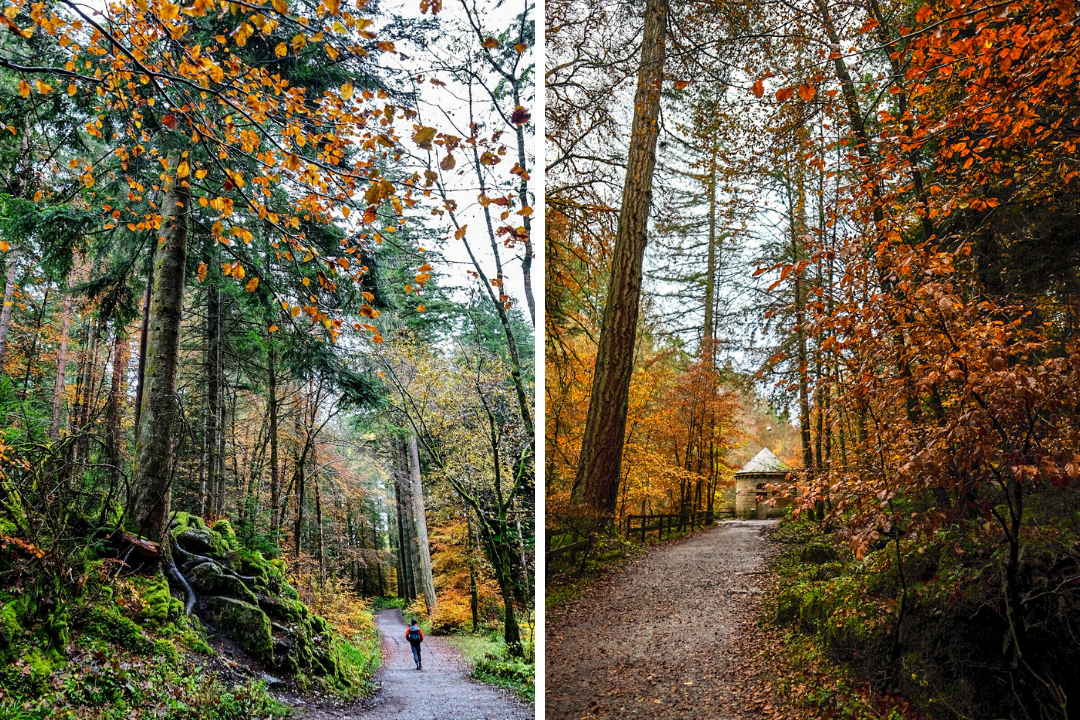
660 639
443 690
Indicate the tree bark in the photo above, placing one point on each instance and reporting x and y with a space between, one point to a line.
426 578
275 471
116 395
5 313
155 450
597 480
60 388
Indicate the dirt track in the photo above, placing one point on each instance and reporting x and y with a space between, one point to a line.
655 640
443 690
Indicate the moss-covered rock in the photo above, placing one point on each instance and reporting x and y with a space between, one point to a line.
202 541
225 529
246 624
209 579
284 609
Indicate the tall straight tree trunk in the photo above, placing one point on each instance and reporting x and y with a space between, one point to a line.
405 584
474 594
427 580
597 479
708 332
9 302
59 390
318 521
214 382
156 448
144 331
116 399
275 470
401 453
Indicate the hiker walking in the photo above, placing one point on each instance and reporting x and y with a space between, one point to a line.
415 636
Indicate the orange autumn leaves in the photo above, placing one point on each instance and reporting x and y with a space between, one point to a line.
148 76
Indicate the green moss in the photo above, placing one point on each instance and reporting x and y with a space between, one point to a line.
10 629
108 624
288 591
202 541
225 529
210 579
284 609
159 601
246 624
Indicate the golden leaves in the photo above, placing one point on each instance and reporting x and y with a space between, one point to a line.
169 11
43 88
460 232
807 92
346 91
183 170
281 6
24 88
784 94
682 84
298 42
448 162
758 88
491 43
423 137
202 272
489 158
252 284
281 50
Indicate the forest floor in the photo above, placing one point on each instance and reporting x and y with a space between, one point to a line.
443 690
671 636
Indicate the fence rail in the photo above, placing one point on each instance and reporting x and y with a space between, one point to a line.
565 540
665 524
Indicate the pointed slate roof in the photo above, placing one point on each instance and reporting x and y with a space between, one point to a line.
764 462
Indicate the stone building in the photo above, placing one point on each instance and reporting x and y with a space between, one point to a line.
751 497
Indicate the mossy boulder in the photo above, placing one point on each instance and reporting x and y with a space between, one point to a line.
225 529
246 624
202 541
284 609
209 579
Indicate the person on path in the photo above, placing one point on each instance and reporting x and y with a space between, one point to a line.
415 636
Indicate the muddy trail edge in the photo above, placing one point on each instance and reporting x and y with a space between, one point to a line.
658 639
443 690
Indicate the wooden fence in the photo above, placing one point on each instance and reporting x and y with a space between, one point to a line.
565 540
665 524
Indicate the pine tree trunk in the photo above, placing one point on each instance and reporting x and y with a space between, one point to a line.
60 388
426 578
116 399
214 424
156 448
5 313
474 594
144 331
275 470
597 480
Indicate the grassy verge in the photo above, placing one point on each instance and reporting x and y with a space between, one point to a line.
486 655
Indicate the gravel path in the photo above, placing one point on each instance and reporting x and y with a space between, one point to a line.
443 690
656 640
